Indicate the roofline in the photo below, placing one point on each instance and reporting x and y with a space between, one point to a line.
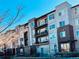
32 19
75 6
9 31
54 11
45 14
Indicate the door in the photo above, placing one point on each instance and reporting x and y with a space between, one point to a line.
42 51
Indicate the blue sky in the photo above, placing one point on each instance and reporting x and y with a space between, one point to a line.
31 8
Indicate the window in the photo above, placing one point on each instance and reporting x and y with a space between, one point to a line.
13 44
43 39
59 13
52 26
63 34
41 22
46 20
21 50
77 21
62 23
76 10
32 24
39 39
42 30
53 36
77 33
21 41
51 16
65 47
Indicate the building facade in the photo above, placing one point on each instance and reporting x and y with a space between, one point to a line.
56 31
23 42
62 30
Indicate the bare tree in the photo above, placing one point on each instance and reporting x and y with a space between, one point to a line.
4 15
13 19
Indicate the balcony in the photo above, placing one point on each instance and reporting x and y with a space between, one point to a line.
41 43
41 26
45 33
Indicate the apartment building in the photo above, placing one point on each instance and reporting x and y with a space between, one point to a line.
57 31
60 25
75 18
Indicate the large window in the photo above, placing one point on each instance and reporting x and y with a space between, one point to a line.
62 23
63 34
77 33
52 26
51 16
65 47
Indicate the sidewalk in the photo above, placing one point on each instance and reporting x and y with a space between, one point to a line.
46 58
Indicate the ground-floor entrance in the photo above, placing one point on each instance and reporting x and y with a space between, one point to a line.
67 47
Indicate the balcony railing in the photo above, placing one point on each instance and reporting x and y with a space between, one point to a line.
42 43
41 26
45 33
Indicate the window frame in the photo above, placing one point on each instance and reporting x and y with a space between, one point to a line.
63 34
62 23
52 16
65 46
52 26
77 33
